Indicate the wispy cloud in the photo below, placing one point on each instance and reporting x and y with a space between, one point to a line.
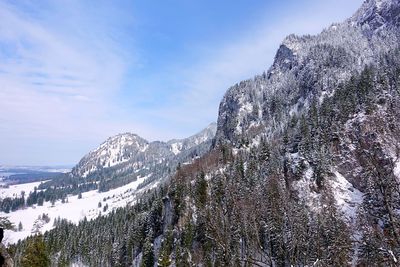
54 85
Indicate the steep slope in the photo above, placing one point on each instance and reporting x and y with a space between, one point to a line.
307 68
124 158
378 16
304 170
115 150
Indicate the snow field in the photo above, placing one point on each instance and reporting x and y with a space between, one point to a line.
74 210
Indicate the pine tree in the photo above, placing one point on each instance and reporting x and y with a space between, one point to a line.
201 190
6 224
275 220
35 254
148 251
164 260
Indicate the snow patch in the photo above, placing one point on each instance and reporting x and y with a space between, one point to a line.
256 142
74 210
15 190
378 4
347 197
176 148
304 187
245 108
396 169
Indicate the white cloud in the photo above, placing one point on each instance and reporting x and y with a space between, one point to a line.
54 86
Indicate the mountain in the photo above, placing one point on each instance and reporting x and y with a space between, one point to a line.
179 146
124 158
306 68
128 153
115 175
304 169
309 70
115 150
378 16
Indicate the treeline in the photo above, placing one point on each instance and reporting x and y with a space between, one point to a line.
38 197
12 204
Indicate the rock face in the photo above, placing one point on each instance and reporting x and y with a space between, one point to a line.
306 68
305 168
309 71
5 258
378 15
129 154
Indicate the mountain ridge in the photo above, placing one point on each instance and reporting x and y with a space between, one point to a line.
122 147
303 171
306 67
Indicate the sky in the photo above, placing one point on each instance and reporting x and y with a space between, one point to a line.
74 72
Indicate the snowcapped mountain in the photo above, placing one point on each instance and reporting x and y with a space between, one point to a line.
121 169
304 169
307 73
306 68
377 15
127 154
181 145
115 150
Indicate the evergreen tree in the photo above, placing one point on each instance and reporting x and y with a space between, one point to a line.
148 251
201 190
164 260
35 253
6 224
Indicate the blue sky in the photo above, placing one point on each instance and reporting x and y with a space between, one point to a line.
73 73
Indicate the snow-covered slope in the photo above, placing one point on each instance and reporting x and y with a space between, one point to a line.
91 205
16 190
310 69
115 150
306 68
126 163
178 146
131 151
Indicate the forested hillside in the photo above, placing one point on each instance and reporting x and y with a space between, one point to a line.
304 169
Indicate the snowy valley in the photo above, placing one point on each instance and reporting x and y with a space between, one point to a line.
301 169
120 152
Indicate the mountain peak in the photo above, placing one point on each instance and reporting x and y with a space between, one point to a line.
129 138
377 14
212 126
115 150
308 67
178 145
124 148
